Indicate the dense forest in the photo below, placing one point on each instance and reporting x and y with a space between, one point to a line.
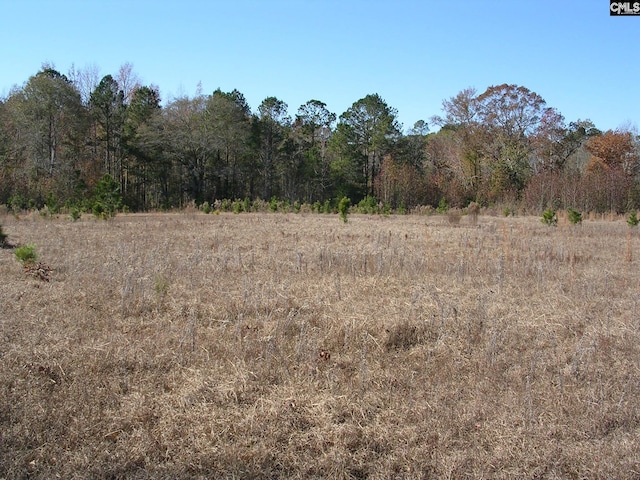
63 136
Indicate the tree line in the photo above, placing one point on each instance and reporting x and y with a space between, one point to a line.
62 135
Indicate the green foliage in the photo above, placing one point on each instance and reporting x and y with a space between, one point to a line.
368 205
550 217
238 206
107 197
508 211
52 204
75 213
343 208
26 254
226 205
273 204
98 210
575 217
18 203
632 219
206 208
443 206
327 207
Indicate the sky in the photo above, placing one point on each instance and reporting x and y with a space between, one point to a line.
413 53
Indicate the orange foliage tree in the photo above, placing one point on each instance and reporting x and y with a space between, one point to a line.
615 149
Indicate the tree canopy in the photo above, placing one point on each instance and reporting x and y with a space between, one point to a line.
62 135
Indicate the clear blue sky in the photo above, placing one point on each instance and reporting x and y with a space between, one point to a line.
413 53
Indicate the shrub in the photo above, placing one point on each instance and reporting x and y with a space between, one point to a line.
632 219
225 205
343 208
98 210
550 217
75 213
26 254
273 204
368 205
17 203
107 197
575 217
52 204
238 206
443 206
206 208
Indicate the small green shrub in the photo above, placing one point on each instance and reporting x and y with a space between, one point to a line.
550 217
75 213
107 197
443 206
575 217
368 205
26 254
53 207
632 219
98 211
206 208
343 208
273 204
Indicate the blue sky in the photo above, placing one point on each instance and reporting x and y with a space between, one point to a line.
414 54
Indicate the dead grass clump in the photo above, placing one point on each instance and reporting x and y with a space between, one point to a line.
404 335
473 211
453 216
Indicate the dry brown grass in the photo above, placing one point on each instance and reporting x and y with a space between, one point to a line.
297 346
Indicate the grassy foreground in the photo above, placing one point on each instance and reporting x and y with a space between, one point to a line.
299 346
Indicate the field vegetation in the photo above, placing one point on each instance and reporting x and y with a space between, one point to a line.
284 345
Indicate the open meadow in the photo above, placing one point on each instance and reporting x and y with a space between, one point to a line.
175 346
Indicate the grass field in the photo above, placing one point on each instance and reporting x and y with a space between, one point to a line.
297 346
